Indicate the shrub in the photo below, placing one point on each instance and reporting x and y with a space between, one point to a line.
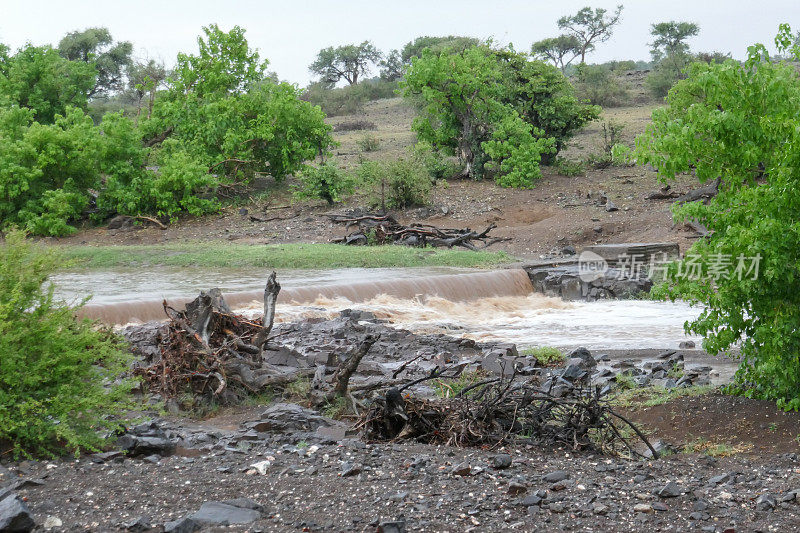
348 100
368 143
546 355
600 86
738 123
326 182
398 183
58 375
568 168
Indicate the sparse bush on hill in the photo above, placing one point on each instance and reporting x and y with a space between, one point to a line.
59 377
398 183
350 99
600 86
326 182
738 123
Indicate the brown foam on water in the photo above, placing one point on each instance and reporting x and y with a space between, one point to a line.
451 289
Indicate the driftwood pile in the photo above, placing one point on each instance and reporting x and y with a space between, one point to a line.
384 229
498 411
214 354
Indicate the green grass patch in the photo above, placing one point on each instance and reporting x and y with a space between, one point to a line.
277 256
546 355
652 396
450 388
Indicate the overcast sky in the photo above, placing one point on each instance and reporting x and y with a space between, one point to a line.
290 32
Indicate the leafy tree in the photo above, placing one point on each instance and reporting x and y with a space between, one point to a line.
326 182
670 54
392 66
96 46
58 375
146 79
437 45
346 62
590 27
38 78
561 50
670 38
738 124
494 108
600 86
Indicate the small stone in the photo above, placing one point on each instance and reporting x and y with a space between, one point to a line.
643 508
349 469
52 521
556 507
670 490
722 478
599 508
766 502
183 525
501 461
139 524
660 506
397 526
686 345
222 514
556 476
516 488
261 467
461 469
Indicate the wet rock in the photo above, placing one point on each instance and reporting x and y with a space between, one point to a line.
139 524
351 469
686 345
462 469
515 488
766 502
556 476
222 514
722 478
501 461
183 525
584 355
14 515
670 490
288 417
396 526
146 440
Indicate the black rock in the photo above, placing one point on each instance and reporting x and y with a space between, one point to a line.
349 469
184 525
397 526
766 502
140 524
222 514
722 478
501 461
286 417
15 516
670 490
554 477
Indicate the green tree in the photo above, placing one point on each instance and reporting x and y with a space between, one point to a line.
737 125
96 46
590 27
561 50
59 376
392 66
346 62
670 54
146 79
494 108
38 78
437 45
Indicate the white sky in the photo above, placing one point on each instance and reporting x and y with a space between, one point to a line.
290 33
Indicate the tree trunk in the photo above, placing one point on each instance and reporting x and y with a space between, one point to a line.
271 291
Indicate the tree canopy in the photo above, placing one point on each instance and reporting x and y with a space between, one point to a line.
561 50
96 46
670 38
590 27
347 62
737 125
455 43
498 110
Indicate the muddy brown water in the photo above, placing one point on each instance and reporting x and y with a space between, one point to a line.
497 305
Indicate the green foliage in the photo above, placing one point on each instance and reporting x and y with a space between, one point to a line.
561 50
58 375
496 110
437 45
346 62
392 66
545 355
600 86
739 123
368 143
39 79
97 47
450 388
669 38
350 99
397 183
612 131
327 182
590 27
568 168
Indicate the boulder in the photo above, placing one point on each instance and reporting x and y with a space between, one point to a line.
223 514
15 516
288 417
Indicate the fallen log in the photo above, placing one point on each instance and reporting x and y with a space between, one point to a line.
702 193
